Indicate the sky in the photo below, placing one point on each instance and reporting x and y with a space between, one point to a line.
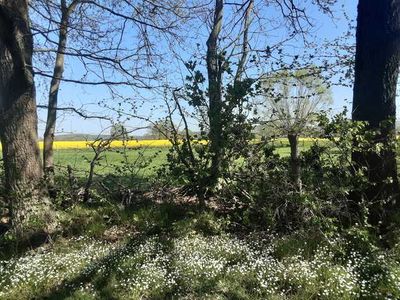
87 97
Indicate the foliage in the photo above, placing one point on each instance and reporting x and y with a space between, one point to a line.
297 245
294 99
190 159
261 183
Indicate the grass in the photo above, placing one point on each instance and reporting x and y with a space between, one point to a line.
173 251
143 157
148 159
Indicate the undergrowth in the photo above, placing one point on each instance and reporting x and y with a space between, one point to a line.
174 252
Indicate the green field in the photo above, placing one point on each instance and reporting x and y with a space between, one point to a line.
144 160
147 160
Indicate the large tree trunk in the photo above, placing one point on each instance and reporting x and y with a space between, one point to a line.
295 168
18 121
48 138
376 73
215 94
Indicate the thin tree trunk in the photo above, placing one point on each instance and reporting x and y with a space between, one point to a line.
245 46
238 97
295 168
215 94
89 181
30 212
48 138
376 74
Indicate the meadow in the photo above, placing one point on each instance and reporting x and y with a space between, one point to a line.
147 154
170 250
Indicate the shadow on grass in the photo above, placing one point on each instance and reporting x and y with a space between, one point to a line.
164 215
102 272
91 273
148 214
115 190
163 220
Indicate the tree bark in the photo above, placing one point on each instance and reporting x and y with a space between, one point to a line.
48 138
245 46
215 94
376 73
237 98
295 168
18 121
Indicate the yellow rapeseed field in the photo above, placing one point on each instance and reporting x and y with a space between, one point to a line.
59 145
62 145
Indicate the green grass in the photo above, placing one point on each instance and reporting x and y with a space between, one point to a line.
145 160
172 252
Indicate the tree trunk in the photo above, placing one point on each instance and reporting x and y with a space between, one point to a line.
245 46
215 95
18 122
295 168
376 72
48 138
